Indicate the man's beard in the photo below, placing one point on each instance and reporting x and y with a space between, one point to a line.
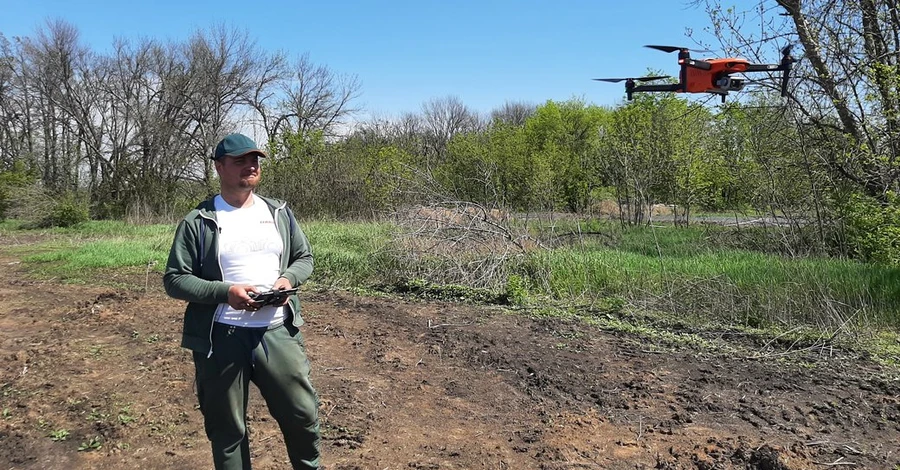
248 183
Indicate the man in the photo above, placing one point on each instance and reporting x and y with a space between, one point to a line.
230 246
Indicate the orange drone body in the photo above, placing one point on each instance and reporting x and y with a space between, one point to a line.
698 80
707 76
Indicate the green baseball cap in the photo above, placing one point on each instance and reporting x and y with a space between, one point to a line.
236 145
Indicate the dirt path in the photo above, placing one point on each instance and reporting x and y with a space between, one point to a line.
408 385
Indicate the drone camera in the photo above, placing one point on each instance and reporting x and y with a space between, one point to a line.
730 84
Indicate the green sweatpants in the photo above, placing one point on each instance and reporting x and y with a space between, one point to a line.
275 360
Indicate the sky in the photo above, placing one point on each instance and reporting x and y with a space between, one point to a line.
405 53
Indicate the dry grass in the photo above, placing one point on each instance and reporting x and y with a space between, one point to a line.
611 209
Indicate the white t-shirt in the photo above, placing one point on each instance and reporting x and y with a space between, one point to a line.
250 251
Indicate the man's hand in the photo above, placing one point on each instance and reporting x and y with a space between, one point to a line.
281 284
239 298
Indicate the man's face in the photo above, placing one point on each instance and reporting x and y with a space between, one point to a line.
238 172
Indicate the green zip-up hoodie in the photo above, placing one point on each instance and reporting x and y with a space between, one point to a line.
193 272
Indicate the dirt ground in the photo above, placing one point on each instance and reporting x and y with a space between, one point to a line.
93 377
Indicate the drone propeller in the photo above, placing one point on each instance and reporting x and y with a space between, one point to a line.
667 48
786 63
637 79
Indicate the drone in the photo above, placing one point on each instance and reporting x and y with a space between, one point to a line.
708 75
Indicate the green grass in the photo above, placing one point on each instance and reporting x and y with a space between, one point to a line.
669 241
698 270
347 254
91 229
111 253
9 225
730 282
682 271
74 253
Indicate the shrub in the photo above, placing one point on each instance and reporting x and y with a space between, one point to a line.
11 181
68 212
516 290
873 228
4 202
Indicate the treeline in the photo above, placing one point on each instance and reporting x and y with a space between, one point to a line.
133 131
133 128
569 156
130 132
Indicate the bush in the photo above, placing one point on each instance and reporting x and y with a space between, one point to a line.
516 290
5 203
873 228
68 212
12 181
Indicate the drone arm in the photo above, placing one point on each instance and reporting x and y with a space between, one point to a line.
764 67
784 67
671 87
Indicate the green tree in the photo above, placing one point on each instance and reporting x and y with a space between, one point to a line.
491 167
637 154
349 178
563 139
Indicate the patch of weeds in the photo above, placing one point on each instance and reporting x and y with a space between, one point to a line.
572 334
378 291
612 323
125 416
162 428
135 334
97 415
59 435
73 402
152 338
803 364
516 290
94 443
9 392
96 351
885 348
567 347
606 307
613 305
6 414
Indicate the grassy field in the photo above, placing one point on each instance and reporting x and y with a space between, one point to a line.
740 285
684 273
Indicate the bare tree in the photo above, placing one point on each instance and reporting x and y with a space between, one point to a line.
222 70
18 105
11 109
56 68
444 118
513 113
266 95
315 99
145 119
409 133
136 126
